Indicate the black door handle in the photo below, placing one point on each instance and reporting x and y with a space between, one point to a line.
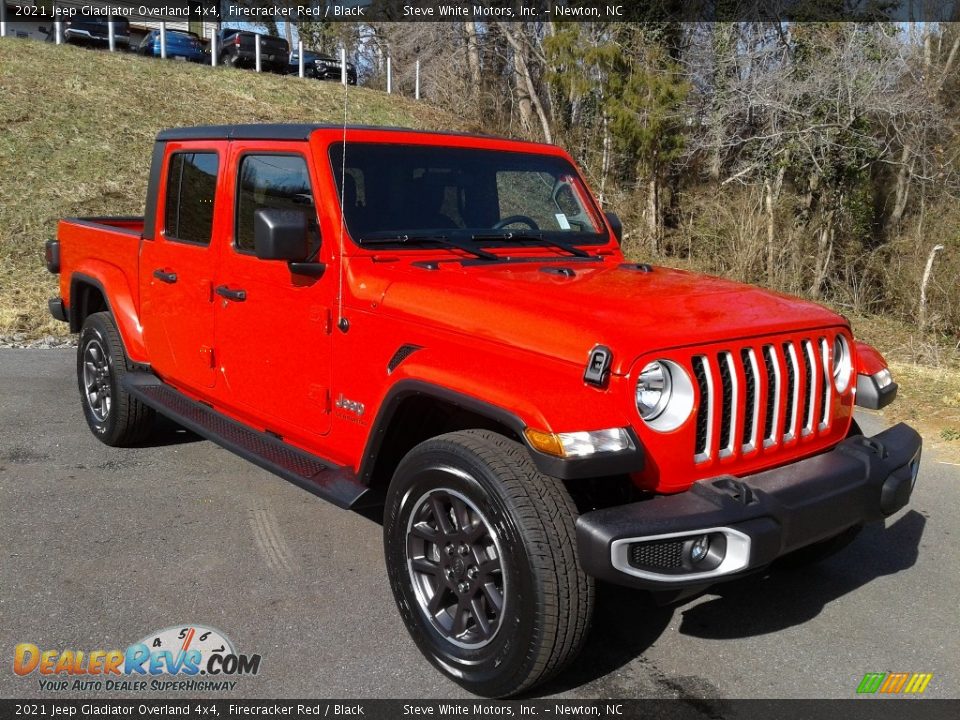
238 295
164 276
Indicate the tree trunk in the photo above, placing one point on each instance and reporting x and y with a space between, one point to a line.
824 255
772 193
473 53
523 77
653 216
927 271
902 188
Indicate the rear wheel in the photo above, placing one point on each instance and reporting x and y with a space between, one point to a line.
114 416
481 555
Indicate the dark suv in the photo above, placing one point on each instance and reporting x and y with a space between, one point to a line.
320 66
238 49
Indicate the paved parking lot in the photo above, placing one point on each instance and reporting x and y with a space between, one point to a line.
102 546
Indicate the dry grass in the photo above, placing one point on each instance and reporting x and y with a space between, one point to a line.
78 128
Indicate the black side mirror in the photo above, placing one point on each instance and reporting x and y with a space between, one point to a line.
281 234
615 225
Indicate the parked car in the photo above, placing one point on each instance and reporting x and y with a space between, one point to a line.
180 45
320 66
444 326
92 31
237 48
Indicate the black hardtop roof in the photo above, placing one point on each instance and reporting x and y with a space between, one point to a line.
288 131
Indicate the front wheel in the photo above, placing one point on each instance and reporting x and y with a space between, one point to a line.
482 559
114 416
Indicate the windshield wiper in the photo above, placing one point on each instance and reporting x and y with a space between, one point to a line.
535 236
413 238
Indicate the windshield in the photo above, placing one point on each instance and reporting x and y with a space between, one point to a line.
408 191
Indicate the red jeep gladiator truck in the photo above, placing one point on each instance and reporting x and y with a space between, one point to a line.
444 325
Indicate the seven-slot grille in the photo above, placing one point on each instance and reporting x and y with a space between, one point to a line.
761 395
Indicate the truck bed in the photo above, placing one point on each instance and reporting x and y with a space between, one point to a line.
104 251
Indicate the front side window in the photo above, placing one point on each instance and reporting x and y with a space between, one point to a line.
270 181
191 189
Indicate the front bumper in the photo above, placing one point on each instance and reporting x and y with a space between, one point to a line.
753 521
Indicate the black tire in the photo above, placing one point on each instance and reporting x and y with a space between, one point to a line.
514 514
115 417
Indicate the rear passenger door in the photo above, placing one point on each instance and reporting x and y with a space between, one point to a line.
273 341
177 266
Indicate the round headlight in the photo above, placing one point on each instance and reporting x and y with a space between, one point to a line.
653 390
841 363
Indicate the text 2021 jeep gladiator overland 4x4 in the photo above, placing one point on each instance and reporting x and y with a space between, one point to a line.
445 324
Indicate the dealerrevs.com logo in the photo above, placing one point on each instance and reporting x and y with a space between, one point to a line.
187 657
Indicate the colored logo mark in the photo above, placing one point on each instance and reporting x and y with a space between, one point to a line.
896 683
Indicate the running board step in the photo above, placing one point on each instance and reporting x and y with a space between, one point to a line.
336 484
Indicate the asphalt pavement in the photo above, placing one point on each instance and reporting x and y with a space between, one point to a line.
101 547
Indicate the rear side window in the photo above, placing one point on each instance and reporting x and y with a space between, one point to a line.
269 181
191 187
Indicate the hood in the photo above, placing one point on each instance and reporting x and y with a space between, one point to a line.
533 307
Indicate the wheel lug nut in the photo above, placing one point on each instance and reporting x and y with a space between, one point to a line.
449 549
464 548
463 587
472 572
449 573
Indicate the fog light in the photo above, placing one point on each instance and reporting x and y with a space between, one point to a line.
699 548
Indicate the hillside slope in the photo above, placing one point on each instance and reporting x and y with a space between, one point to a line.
78 127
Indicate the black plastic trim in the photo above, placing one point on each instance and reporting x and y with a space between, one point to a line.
402 353
871 396
52 253
153 189
58 310
334 483
562 468
77 279
781 510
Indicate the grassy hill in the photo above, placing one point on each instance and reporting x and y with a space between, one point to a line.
78 128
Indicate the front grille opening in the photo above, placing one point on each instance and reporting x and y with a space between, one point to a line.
791 363
657 555
703 410
827 379
770 418
807 412
750 395
726 400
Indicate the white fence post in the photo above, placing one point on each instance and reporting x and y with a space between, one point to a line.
300 57
417 88
389 76
343 65
213 49
163 40
58 32
3 18
111 36
256 53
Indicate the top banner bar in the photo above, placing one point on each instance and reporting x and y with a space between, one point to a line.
370 11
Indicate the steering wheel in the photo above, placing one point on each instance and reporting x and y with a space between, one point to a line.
511 219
